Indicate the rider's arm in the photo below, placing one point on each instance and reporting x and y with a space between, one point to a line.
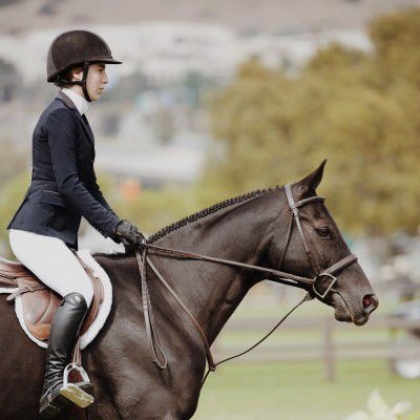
63 133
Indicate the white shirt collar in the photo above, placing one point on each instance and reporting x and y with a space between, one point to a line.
81 103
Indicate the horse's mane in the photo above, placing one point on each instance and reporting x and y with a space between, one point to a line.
200 214
209 210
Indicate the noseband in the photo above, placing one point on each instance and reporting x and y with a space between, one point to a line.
325 280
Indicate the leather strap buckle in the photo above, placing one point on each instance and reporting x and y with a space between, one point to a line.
323 284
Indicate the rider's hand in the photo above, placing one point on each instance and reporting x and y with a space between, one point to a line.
128 234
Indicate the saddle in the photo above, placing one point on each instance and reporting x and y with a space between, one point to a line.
40 302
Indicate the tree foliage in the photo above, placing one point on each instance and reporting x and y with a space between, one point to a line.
11 195
358 110
396 39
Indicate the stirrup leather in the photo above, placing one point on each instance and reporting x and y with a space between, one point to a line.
71 391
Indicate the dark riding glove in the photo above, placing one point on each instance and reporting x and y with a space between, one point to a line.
128 234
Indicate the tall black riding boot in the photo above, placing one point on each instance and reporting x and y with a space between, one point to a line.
64 332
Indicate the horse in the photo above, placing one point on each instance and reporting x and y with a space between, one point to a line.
246 239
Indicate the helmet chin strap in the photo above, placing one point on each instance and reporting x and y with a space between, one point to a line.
83 82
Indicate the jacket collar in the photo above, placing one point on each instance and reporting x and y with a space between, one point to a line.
67 101
80 102
70 104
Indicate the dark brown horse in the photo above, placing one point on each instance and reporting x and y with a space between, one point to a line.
258 229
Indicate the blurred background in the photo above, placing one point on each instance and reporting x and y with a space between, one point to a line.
216 98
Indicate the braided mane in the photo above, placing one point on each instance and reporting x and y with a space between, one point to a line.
209 210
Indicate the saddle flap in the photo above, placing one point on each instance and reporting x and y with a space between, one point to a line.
40 303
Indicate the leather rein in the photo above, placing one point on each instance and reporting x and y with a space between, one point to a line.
321 285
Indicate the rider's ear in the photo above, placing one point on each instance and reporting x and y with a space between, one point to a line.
310 183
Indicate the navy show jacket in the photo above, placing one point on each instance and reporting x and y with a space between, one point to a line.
63 186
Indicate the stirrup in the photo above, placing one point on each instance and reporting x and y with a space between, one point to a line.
71 391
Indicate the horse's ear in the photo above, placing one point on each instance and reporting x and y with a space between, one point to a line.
311 182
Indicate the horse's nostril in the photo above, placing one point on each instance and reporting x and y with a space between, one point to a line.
370 303
367 301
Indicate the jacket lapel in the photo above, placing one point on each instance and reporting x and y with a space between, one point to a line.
86 126
68 102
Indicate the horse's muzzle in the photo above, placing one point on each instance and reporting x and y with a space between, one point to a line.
358 314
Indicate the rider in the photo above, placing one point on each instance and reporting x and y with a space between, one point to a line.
63 188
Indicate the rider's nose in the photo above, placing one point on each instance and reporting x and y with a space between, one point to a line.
370 303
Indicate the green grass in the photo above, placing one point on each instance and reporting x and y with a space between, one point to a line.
298 391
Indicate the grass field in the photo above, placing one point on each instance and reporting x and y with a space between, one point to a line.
298 391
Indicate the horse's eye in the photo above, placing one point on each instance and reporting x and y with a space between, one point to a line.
324 232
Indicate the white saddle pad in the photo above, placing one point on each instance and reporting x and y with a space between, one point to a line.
104 309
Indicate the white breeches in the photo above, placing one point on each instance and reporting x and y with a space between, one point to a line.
53 262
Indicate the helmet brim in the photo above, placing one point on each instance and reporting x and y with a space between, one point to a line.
99 60
105 60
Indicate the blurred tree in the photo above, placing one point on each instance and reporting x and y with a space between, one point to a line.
9 81
152 210
359 110
335 57
164 125
396 38
252 120
16 162
11 195
196 83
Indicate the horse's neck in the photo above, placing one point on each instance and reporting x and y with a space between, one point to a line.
213 291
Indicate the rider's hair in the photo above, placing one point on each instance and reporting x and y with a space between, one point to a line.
64 79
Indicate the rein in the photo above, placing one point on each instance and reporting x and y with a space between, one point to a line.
321 285
142 261
307 297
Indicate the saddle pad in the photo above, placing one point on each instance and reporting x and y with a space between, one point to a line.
104 308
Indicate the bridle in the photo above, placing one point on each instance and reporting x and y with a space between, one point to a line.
324 280
321 285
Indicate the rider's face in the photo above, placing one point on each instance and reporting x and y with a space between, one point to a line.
96 80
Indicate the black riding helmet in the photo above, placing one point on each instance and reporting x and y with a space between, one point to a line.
73 49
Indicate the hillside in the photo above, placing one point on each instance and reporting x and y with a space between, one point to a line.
243 16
